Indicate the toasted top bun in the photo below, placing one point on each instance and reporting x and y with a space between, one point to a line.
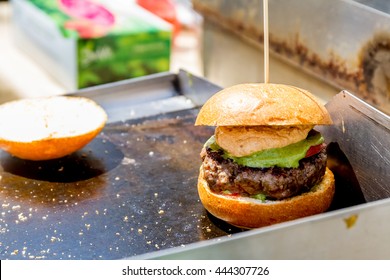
263 104
49 127
248 212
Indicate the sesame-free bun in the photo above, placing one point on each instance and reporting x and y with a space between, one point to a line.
263 104
49 127
247 212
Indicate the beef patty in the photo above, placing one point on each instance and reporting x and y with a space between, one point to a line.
226 176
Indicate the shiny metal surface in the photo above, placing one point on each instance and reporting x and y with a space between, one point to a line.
362 133
359 232
317 45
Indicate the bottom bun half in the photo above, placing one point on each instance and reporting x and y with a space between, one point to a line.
247 212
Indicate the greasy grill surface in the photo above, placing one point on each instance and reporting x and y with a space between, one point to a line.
130 191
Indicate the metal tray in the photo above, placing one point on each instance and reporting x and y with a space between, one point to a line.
356 226
131 193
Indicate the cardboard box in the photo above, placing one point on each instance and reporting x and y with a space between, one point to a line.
85 43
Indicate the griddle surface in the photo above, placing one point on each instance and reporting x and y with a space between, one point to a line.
130 191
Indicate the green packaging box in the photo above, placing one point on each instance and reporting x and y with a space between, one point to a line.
83 43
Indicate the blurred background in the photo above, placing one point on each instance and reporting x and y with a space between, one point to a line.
323 46
26 69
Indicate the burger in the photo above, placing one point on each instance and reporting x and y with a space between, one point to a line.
265 163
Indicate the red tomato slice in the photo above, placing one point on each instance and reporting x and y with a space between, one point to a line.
315 150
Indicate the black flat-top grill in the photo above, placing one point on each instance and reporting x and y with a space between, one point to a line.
132 190
131 193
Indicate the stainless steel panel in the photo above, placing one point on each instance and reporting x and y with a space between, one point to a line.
341 43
